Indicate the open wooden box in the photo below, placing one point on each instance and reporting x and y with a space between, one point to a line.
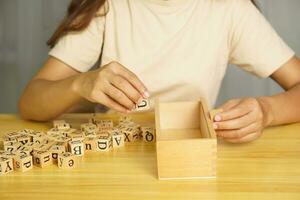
186 144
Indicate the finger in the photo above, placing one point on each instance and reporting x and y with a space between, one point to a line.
248 138
237 111
118 96
238 133
110 103
236 123
133 79
230 104
123 85
225 107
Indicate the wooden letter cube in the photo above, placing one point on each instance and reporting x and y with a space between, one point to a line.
11 146
56 149
88 127
136 135
186 143
43 158
23 139
6 165
104 143
61 125
12 135
118 140
77 148
128 134
148 134
143 105
23 163
67 161
39 140
90 144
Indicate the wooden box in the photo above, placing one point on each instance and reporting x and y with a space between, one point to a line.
186 144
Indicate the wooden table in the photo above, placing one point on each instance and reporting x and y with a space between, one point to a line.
268 168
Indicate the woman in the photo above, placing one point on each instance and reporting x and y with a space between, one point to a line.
176 50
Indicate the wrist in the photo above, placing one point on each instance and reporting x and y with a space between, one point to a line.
266 106
75 83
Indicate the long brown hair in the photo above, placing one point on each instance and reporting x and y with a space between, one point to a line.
80 14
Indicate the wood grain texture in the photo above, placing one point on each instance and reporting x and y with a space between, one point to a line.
186 159
186 147
265 169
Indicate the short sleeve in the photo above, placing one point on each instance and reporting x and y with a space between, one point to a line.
81 50
254 44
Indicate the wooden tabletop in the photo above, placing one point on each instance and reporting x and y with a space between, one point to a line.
268 168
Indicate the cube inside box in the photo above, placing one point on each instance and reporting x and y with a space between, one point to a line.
186 142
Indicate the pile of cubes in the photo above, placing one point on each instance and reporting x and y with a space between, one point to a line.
62 145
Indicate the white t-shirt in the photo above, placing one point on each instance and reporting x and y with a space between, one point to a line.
180 49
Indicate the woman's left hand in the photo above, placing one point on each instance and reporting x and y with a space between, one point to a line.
241 120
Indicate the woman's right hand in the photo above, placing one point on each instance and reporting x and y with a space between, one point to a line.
112 85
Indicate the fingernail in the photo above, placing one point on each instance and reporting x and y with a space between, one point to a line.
215 126
146 94
218 118
128 111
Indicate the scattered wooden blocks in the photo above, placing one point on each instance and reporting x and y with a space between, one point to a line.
68 132
24 150
12 135
118 139
62 144
31 145
128 134
23 139
23 162
45 146
186 145
38 140
105 124
43 158
26 131
56 149
89 130
102 124
8 154
61 125
6 165
12 148
77 148
32 134
8 142
77 136
136 135
148 134
67 160
90 144
103 143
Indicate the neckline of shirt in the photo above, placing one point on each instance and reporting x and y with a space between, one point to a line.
168 2
168 6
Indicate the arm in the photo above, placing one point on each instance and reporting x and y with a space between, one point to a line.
45 96
284 108
58 87
242 120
